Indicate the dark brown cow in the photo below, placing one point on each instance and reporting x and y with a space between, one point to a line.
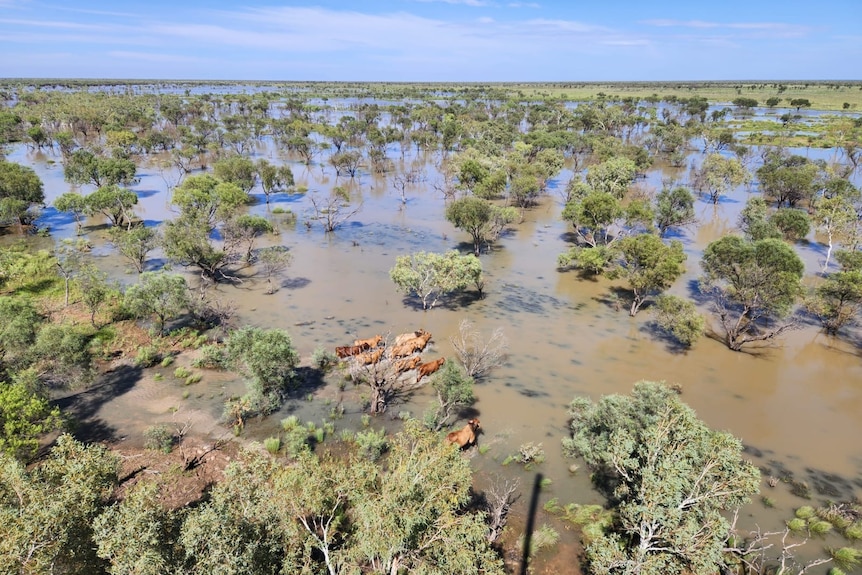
343 351
466 436
369 343
427 369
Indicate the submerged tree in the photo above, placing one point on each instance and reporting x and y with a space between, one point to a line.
648 265
431 276
480 218
753 284
669 481
158 294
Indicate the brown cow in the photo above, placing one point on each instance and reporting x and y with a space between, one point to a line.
411 346
403 365
369 343
427 369
343 351
370 356
407 336
466 436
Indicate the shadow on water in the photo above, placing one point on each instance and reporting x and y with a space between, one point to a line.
84 406
672 345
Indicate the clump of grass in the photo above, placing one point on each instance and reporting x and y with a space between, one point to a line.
366 420
296 441
193 378
272 444
182 372
767 501
805 512
819 527
147 356
483 449
853 532
158 377
159 438
846 558
210 357
290 422
347 435
544 536
167 360
796 525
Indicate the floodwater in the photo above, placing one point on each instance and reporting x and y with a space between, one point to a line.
795 403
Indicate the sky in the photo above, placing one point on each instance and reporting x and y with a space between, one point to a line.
432 40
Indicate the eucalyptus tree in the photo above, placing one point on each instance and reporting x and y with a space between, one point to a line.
673 208
114 202
670 482
158 294
75 204
21 190
790 179
273 179
754 285
718 175
648 265
136 243
85 166
431 276
480 218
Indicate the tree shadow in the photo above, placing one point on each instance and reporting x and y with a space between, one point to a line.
83 406
616 299
671 344
295 283
311 379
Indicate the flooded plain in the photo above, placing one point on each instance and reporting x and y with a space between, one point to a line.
795 402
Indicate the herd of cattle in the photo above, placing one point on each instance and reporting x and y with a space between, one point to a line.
401 353
372 350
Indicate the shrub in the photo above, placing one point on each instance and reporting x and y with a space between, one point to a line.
323 359
182 372
210 357
167 361
146 356
159 438
371 443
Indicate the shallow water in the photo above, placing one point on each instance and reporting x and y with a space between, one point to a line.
795 403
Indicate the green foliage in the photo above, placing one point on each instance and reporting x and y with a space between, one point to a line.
479 218
679 317
371 443
20 189
62 351
431 276
545 536
47 522
25 415
159 438
751 282
85 167
592 260
211 357
157 294
136 535
789 179
754 220
594 520
267 357
73 203
147 356
793 224
659 466
674 207
718 175
454 390
135 244
612 176
113 202
19 322
648 265
272 444
208 199
182 372
237 170
323 359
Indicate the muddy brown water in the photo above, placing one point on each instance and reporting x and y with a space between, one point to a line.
795 403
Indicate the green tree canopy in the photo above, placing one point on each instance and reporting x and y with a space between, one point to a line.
751 282
648 265
209 198
86 167
667 477
431 276
20 190
114 202
480 218
158 294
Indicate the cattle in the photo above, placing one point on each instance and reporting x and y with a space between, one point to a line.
407 336
412 345
366 344
403 365
343 351
427 369
466 436
369 357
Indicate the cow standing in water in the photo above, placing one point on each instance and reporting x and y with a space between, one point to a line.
466 436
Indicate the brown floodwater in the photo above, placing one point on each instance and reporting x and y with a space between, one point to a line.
795 403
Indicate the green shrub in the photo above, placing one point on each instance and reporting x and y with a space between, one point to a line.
182 372
296 441
210 357
193 378
805 512
371 443
818 527
167 361
272 444
290 422
323 359
159 438
146 356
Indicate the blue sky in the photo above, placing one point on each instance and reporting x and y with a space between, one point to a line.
433 40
